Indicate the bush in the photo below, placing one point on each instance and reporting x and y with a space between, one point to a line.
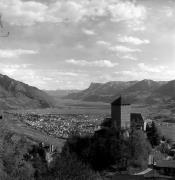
81 157
100 151
13 160
68 167
153 135
140 149
163 148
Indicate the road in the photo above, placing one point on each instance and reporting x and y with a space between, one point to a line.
144 172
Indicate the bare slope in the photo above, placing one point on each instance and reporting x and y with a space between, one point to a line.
15 94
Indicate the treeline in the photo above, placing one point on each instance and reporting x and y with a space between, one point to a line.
22 160
82 158
108 147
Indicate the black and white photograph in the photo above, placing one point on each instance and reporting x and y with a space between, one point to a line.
87 89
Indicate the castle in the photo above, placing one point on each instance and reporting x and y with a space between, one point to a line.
122 118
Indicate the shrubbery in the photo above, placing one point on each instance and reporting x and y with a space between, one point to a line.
153 135
16 162
139 149
13 164
81 158
68 167
107 148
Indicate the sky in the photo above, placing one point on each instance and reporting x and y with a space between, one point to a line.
67 44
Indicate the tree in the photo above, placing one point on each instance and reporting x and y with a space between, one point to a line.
139 149
100 151
68 166
107 123
13 158
164 148
153 135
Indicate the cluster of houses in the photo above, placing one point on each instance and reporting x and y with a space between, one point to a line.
59 125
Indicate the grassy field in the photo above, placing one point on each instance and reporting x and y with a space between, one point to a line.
65 106
167 130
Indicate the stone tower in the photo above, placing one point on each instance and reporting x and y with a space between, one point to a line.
120 113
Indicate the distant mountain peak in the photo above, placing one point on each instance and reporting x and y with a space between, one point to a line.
107 92
94 84
147 80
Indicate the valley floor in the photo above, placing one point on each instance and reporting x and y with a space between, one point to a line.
17 127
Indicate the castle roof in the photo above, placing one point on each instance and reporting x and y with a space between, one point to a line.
137 118
166 164
120 101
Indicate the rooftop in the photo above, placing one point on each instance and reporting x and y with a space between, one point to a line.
136 117
120 101
166 163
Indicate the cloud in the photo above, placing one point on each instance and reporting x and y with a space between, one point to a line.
26 13
99 63
13 53
11 69
42 77
151 69
88 32
67 74
18 12
123 49
136 25
168 11
132 40
130 73
129 57
119 49
153 73
127 10
105 43
155 59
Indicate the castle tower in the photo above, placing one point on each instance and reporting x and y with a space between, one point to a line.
120 113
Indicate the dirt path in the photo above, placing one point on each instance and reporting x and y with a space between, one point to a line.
144 172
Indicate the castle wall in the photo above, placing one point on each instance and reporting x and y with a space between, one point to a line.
121 116
125 116
116 116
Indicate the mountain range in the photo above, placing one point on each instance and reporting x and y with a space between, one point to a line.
15 94
60 92
145 91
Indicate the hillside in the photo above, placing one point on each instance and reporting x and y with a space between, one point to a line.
167 89
164 94
100 91
134 91
15 94
139 92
